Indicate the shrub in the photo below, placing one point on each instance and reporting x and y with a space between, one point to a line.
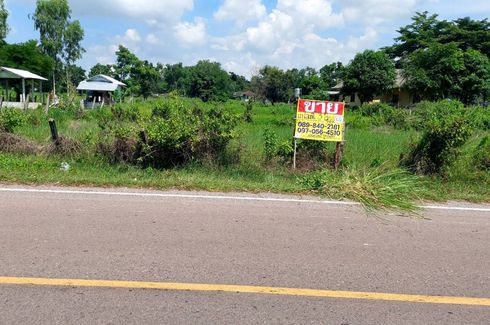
178 134
11 118
248 115
118 145
446 130
270 144
129 113
357 121
479 117
481 156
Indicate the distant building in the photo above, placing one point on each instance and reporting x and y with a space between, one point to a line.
244 96
399 96
100 90
30 96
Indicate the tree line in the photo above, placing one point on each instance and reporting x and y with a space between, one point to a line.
435 58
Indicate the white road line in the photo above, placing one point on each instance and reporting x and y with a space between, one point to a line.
169 195
220 197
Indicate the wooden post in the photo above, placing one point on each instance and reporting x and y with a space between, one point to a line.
26 103
54 130
339 150
23 90
47 104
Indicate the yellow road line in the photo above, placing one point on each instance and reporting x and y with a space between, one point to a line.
246 289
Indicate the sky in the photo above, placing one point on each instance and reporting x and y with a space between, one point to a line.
243 35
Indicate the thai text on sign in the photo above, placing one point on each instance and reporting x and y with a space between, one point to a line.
320 120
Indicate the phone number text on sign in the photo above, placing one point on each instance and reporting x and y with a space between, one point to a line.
320 121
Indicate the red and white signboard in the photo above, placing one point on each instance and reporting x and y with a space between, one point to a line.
320 120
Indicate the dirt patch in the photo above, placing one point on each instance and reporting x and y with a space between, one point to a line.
16 144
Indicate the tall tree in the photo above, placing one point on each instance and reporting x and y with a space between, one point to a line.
177 78
51 19
72 48
369 74
209 81
424 30
331 74
445 71
272 84
4 28
105 69
432 73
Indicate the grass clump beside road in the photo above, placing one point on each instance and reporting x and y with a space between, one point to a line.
187 144
373 188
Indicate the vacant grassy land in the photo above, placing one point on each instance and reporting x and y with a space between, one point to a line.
369 172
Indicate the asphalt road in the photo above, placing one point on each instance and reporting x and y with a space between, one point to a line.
204 240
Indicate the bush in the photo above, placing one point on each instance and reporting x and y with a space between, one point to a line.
481 156
270 144
178 134
118 145
357 121
129 113
479 117
11 118
248 115
446 130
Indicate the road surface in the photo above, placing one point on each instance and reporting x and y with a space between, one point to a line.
85 256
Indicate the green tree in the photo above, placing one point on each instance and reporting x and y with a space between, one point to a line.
209 81
146 77
126 61
239 83
474 82
4 28
51 19
427 29
424 30
433 73
77 74
72 48
369 74
26 56
272 84
105 69
177 78
331 74
311 82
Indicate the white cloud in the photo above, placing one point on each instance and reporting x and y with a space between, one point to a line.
241 11
191 33
152 39
149 10
374 12
132 35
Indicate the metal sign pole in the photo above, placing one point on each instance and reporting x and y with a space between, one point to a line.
298 98
295 149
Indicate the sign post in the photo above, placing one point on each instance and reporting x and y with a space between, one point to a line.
320 121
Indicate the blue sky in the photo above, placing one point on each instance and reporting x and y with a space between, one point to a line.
241 35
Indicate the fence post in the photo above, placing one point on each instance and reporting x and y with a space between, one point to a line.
54 130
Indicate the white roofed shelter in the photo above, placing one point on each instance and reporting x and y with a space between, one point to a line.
99 89
23 75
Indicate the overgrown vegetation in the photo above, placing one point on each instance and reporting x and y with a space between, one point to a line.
190 144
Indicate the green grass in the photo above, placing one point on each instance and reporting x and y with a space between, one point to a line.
370 172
